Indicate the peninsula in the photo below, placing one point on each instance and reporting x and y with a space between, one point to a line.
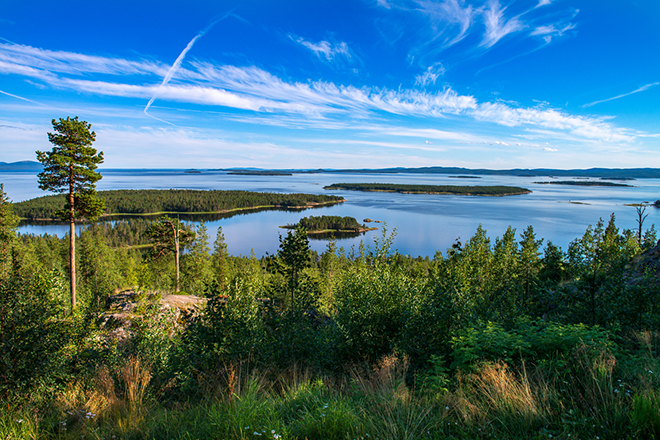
175 201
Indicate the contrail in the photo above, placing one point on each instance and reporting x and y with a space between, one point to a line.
641 89
20 97
179 60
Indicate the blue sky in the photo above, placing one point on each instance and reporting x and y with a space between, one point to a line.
337 84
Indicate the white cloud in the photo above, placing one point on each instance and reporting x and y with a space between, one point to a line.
448 14
591 128
73 63
550 149
547 32
254 89
325 49
543 3
430 76
497 27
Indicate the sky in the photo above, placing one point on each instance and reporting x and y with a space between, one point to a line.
337 84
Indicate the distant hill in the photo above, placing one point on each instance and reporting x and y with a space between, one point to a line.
25 165
609 173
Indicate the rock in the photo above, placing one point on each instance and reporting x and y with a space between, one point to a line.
125 307
645 264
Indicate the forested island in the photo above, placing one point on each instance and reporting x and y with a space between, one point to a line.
259 173
495 190
583 183
175 201
330 224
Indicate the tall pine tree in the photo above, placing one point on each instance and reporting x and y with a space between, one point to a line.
70 168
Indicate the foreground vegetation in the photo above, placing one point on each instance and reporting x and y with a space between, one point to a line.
508 338
495 190
174 201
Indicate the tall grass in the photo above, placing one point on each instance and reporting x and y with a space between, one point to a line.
495 400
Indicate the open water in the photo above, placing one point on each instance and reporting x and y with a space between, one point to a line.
424 223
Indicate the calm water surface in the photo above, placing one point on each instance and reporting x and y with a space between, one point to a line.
424 223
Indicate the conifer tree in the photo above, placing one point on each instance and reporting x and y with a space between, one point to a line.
8 222
70 168
294 256
168 236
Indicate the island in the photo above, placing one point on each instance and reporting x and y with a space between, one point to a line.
259 173
584 183
333 224
145 202
495 190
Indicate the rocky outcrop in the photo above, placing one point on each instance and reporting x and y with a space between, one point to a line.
127 309
645 265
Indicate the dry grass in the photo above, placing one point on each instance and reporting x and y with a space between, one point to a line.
496 394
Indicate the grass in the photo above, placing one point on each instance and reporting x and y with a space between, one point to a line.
599 397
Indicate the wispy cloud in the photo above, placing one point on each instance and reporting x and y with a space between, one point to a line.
641 89
449 14
48 62
254 89
324 49
550 31
497 26
431 75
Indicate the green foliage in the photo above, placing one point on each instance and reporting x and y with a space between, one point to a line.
8 223
34 331
293 257
196 265
70 168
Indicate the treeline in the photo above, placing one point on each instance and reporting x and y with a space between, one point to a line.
511 337
329 222
173 201
496 190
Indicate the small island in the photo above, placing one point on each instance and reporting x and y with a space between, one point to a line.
584 183
330 224
495 190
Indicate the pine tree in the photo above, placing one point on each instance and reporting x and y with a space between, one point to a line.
70 168
294 256
8 222
169 236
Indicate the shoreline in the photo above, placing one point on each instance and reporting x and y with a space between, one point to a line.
223 211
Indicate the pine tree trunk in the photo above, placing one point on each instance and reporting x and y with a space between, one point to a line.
72 253
176 252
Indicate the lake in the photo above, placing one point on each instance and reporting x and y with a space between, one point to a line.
424 223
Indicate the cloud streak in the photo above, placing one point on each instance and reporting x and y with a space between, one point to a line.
641 89
256 90
177 63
